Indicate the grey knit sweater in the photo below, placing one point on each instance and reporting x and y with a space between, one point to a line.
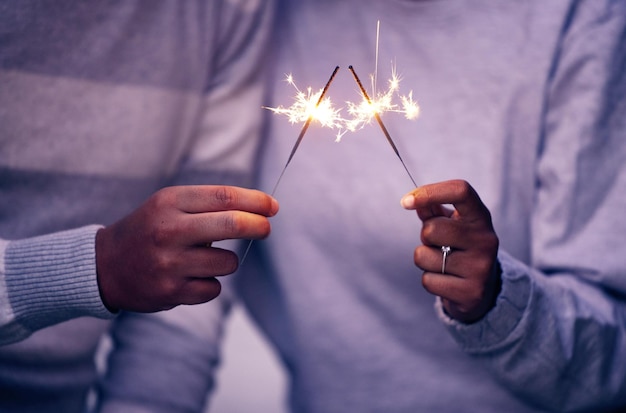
100 105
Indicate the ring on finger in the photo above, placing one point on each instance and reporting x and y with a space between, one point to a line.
445 251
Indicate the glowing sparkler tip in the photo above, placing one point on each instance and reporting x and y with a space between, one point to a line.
310 106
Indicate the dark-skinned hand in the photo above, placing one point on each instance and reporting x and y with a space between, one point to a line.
161 255
471 282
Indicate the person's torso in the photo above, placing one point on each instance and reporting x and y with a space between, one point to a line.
343 300
98 105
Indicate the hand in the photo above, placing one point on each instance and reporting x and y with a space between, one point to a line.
161 256
471 281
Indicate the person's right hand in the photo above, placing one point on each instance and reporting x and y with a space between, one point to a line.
471 282
161 256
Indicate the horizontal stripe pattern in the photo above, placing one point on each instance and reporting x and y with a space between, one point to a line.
54 277
119 130
137 42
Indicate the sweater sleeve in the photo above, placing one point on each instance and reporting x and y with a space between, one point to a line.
46 280
557 335
163 362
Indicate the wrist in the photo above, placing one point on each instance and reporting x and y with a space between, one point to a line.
103 277
52 278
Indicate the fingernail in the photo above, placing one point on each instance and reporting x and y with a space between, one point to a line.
275 206
408 202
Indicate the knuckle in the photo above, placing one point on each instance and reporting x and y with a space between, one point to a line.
232 223
419 255
160 297
265 228
488 246
428 229
226 197
484 265
224 263
488 218
170 289
231 264
163 198
427 283
213 290
492 241
430 192
164 265
462 188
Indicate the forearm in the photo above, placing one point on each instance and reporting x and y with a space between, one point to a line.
163 361
556 341
46 280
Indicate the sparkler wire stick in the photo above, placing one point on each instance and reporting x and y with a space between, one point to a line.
381 124
306 125
304 128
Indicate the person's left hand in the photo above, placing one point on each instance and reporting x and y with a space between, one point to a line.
471 281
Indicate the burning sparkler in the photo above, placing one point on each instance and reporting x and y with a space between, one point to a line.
309 107
374 108
304 109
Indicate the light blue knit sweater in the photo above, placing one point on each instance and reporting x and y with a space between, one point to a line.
525 100
101 104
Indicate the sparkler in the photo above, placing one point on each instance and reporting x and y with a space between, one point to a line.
376 114
319 107
309 107
311 111
364 111
302 102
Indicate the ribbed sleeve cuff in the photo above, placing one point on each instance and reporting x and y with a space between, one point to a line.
502 322
52 278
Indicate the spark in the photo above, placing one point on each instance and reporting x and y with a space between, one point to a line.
366 110
308 105
410 108
379 103
318 98
311 110
373 112
314 106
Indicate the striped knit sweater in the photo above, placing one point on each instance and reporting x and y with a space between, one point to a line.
101 104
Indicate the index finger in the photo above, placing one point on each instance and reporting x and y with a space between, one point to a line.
214 198
456 192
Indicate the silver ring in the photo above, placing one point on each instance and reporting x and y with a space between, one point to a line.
445 250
